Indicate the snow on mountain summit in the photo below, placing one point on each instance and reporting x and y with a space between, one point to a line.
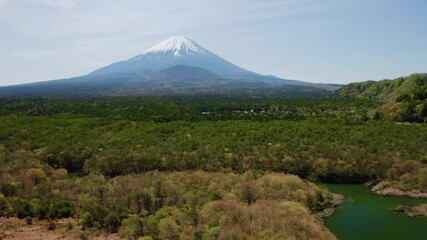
175 46
178 50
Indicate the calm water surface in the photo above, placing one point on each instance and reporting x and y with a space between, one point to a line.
366 216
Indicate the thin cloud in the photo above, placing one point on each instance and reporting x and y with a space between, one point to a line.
246 32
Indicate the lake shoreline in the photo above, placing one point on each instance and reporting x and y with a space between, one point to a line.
416 211
339 199
366 215
385 188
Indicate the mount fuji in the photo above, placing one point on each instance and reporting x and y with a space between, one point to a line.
178 50
175 65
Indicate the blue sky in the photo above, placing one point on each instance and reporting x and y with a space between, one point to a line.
331 41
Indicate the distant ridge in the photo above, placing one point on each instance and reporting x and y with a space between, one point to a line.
413 87
403 99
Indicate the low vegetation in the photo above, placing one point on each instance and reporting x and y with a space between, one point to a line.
409 175
408 178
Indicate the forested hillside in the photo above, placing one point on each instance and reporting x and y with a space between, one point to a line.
163 205
404 98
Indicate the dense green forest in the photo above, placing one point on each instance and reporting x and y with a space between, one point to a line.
329 150
200 167
190 108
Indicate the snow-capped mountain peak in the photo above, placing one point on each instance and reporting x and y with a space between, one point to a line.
175 46
175 65
178 50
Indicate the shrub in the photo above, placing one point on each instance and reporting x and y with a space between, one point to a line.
36 175
145 238
5 207
51 225
69 225
28 220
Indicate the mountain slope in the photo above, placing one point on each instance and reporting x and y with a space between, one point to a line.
181 73
412 87
404 98
178 50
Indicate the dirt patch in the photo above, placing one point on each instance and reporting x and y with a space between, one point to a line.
14 228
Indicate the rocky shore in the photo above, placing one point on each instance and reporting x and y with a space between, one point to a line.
328 212
386 188
416 211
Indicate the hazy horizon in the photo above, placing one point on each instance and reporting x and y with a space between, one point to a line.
315 41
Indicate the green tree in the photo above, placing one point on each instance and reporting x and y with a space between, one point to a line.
144 200
168 229
5 207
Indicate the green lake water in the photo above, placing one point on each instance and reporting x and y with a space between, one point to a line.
366 216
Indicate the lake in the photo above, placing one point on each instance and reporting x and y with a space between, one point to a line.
366 215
